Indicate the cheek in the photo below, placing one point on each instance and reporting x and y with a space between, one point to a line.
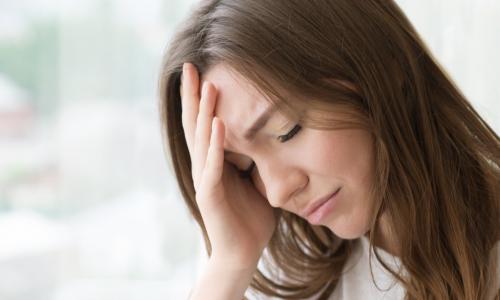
341 157
345 156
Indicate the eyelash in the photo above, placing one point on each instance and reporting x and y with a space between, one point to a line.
283 139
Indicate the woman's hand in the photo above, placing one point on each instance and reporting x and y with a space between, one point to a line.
238 219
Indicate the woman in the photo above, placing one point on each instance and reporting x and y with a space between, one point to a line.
349 140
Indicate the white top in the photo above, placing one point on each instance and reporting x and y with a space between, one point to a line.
357 282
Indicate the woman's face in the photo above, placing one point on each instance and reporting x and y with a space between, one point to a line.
297 168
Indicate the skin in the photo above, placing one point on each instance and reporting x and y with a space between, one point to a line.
240 213
330 159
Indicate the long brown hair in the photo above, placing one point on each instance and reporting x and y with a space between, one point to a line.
437 161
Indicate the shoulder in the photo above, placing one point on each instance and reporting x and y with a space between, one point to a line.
357 280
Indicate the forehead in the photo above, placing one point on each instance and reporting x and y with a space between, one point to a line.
235 95
238 102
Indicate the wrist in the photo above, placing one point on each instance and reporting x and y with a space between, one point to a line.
232 266
220 280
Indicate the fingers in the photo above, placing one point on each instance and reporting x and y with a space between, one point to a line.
215 157
197 119
209 199
190 102
203 130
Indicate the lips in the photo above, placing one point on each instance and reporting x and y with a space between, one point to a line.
311 208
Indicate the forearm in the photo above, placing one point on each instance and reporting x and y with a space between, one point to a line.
219 282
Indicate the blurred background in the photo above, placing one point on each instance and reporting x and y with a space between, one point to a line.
89 208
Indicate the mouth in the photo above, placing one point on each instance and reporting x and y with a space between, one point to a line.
317 210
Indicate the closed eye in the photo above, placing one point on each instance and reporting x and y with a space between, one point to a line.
290 134
283 139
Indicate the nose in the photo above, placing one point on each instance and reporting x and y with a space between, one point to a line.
282 181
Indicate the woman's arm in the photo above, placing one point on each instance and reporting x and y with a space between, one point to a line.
238 220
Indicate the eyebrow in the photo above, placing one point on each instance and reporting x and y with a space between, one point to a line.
261 121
